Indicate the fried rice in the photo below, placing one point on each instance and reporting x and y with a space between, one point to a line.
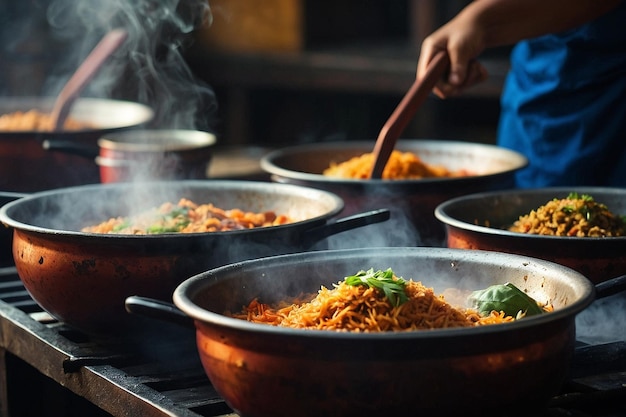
576 215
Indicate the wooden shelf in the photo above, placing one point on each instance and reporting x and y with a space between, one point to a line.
382 69
353 66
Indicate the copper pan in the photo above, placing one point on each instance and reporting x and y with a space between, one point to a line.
505 369
26 167
479 221
412 201
146 154
6 234
83 278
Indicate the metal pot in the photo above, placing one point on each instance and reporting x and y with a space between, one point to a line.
6 234
146 155
412 201
466 219
82 278
26 167
462 371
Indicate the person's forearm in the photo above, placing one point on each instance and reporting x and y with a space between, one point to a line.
508 21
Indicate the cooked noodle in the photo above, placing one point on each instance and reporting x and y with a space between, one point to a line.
401 165
35 120
188 217
366 309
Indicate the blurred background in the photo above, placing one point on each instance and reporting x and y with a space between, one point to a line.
267 73
310 71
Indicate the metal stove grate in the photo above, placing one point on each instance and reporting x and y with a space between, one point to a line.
164 377
153 377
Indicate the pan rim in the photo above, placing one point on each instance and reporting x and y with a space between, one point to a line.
443 215
9 221
45 103
267 162
158 140
183 294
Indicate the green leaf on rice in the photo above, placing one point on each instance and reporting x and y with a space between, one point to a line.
385 281
504 297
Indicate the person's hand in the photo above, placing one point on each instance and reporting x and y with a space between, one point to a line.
462 38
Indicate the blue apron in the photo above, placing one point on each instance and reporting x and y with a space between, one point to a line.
564 105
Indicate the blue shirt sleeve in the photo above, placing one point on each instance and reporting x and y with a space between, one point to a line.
564 105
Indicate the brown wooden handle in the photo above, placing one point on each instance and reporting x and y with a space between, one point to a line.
87 70
404 112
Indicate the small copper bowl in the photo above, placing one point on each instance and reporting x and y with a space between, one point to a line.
155 155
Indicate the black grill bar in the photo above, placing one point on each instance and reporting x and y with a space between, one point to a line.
158 376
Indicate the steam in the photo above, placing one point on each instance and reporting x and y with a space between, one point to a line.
603 321
397 231
149 68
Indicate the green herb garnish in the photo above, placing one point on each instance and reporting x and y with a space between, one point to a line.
121 226
158 229
171 222
393 288
586 209
504 297
575 196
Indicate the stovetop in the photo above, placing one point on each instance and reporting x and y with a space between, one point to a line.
153 376
162 376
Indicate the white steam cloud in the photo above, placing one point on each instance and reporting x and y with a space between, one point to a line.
603 321
149 68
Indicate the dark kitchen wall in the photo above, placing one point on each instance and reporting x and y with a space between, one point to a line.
326 23
27 47
341 79
42 42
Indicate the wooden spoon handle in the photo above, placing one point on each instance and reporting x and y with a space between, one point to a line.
84 74
404 112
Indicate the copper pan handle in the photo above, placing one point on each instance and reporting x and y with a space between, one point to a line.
611 287
157 309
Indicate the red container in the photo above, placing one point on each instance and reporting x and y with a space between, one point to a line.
154 155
